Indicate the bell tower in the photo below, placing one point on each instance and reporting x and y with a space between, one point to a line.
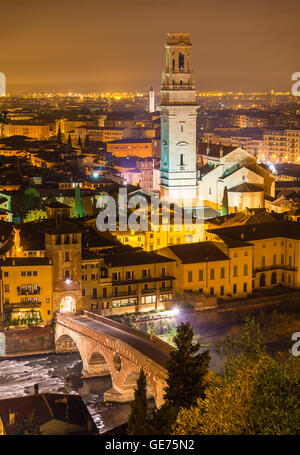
178 123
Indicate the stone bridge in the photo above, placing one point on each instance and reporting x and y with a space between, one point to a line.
109 348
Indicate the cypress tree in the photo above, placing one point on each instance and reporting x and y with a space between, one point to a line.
78 210
224 210
69 141
79 141
138 419
87 141
59 136
187 370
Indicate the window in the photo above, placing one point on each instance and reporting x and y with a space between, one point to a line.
200 275
245 269
274 259
163 271
211 291
146 273
234 289
128 275
181 159
263 261
6 288
23 273
212 274
246 253
222 272
104 292
181 60
290 261
28 273
190 277
94 293
181 128
5 273
282 259
222 290
67 256
235 270
67 273
116 291
245 287
34 273
235 255
83 292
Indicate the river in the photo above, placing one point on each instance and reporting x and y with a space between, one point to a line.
17 376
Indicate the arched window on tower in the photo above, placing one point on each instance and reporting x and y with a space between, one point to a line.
180 82
181 61
173 64
181 160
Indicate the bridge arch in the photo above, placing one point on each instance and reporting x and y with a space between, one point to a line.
99 349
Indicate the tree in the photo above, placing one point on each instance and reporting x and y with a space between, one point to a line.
69 141
29 426
78 210
224 210
187 370
256 394
59 135
138 419
35 215
3 121
30 200
79 141
87 141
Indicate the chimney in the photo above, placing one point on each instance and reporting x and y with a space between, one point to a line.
36 389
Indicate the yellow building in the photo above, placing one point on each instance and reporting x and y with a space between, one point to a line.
126 283
33 130
212 268
276 251
26 291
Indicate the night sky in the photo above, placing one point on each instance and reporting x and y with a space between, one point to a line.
97 45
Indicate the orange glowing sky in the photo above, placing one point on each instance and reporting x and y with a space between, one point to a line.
95 45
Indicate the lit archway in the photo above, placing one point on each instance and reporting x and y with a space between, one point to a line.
67 304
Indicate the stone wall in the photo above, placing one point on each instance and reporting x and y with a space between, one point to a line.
29 340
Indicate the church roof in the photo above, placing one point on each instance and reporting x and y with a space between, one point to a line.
214 149
245 188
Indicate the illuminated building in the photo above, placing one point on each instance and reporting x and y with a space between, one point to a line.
2 84
151 100
130 147
178 122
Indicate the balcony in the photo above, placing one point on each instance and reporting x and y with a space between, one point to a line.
166 289
148 279
16 306
125 293
266 268
149 291
23 291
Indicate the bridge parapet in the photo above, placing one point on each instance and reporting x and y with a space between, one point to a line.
157 341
